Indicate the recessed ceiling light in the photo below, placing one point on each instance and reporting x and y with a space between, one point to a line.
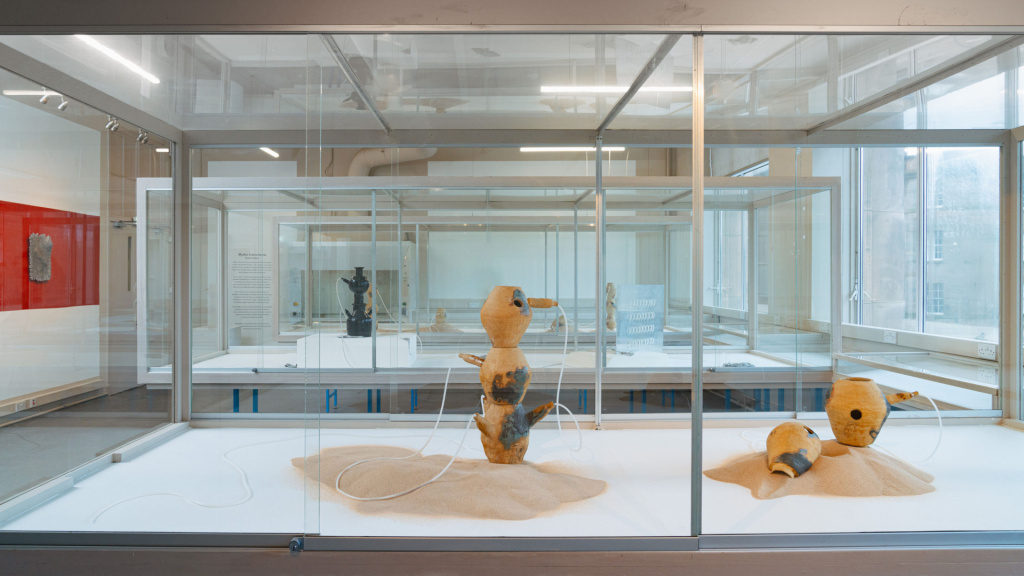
162 150
271 152
571 149
610 89
118 58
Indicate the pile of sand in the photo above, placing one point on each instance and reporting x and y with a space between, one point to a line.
469 489
839 471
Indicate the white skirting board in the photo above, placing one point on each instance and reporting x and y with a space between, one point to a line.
978 472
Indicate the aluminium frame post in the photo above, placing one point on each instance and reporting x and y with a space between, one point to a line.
837 292
599 241
697 292
181 374
1010 264
576 275
401 266
752 288
417 301
373 279
546 266
922 238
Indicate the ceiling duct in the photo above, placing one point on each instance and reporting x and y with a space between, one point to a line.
369 158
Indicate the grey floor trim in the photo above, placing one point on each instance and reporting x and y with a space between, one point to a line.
134 449
146 539
53 488
327 543
862 540
40 494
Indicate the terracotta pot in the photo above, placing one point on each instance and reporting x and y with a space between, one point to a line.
505 315
792 449
504 374
857 409
505 430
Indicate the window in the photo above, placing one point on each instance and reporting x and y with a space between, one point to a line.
928 249
935 300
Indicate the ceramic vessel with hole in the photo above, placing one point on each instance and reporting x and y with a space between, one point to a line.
857 409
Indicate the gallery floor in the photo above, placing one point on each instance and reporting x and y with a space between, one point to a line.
978 471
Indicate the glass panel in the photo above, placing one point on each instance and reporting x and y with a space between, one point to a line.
891 269
152 86
785 82
907 252
549 81
86 236
962 239
665 101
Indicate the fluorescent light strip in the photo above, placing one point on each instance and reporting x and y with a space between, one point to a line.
30 93
117 57
271 152
162 150
573 149
610 89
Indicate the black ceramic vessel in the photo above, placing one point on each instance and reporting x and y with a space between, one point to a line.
360 322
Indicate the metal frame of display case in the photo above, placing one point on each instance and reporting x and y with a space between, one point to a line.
183 142
763 192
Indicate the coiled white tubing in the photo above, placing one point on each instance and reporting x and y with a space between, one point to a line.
247 487
462 442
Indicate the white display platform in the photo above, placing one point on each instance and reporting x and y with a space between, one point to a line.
334 351
978 471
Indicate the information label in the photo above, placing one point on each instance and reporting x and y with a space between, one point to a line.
640 318
251 307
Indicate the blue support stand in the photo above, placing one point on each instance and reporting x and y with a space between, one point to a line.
235 399
757 400
255 401
378 400
819 400
630 401
369 401
328 394
728 400
643 401
782 399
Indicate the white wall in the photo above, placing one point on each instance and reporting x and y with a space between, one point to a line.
50 162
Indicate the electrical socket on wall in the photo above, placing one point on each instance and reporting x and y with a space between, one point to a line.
889 337
32 403
19 406
986 351
986 374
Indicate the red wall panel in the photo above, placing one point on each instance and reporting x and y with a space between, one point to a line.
75 260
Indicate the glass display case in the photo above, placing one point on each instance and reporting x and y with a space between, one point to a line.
483 286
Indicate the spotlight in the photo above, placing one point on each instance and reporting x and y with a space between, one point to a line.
115 126
143 136
45 97
63 104
110 121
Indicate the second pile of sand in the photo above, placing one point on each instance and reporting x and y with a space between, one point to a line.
469 489
839 471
